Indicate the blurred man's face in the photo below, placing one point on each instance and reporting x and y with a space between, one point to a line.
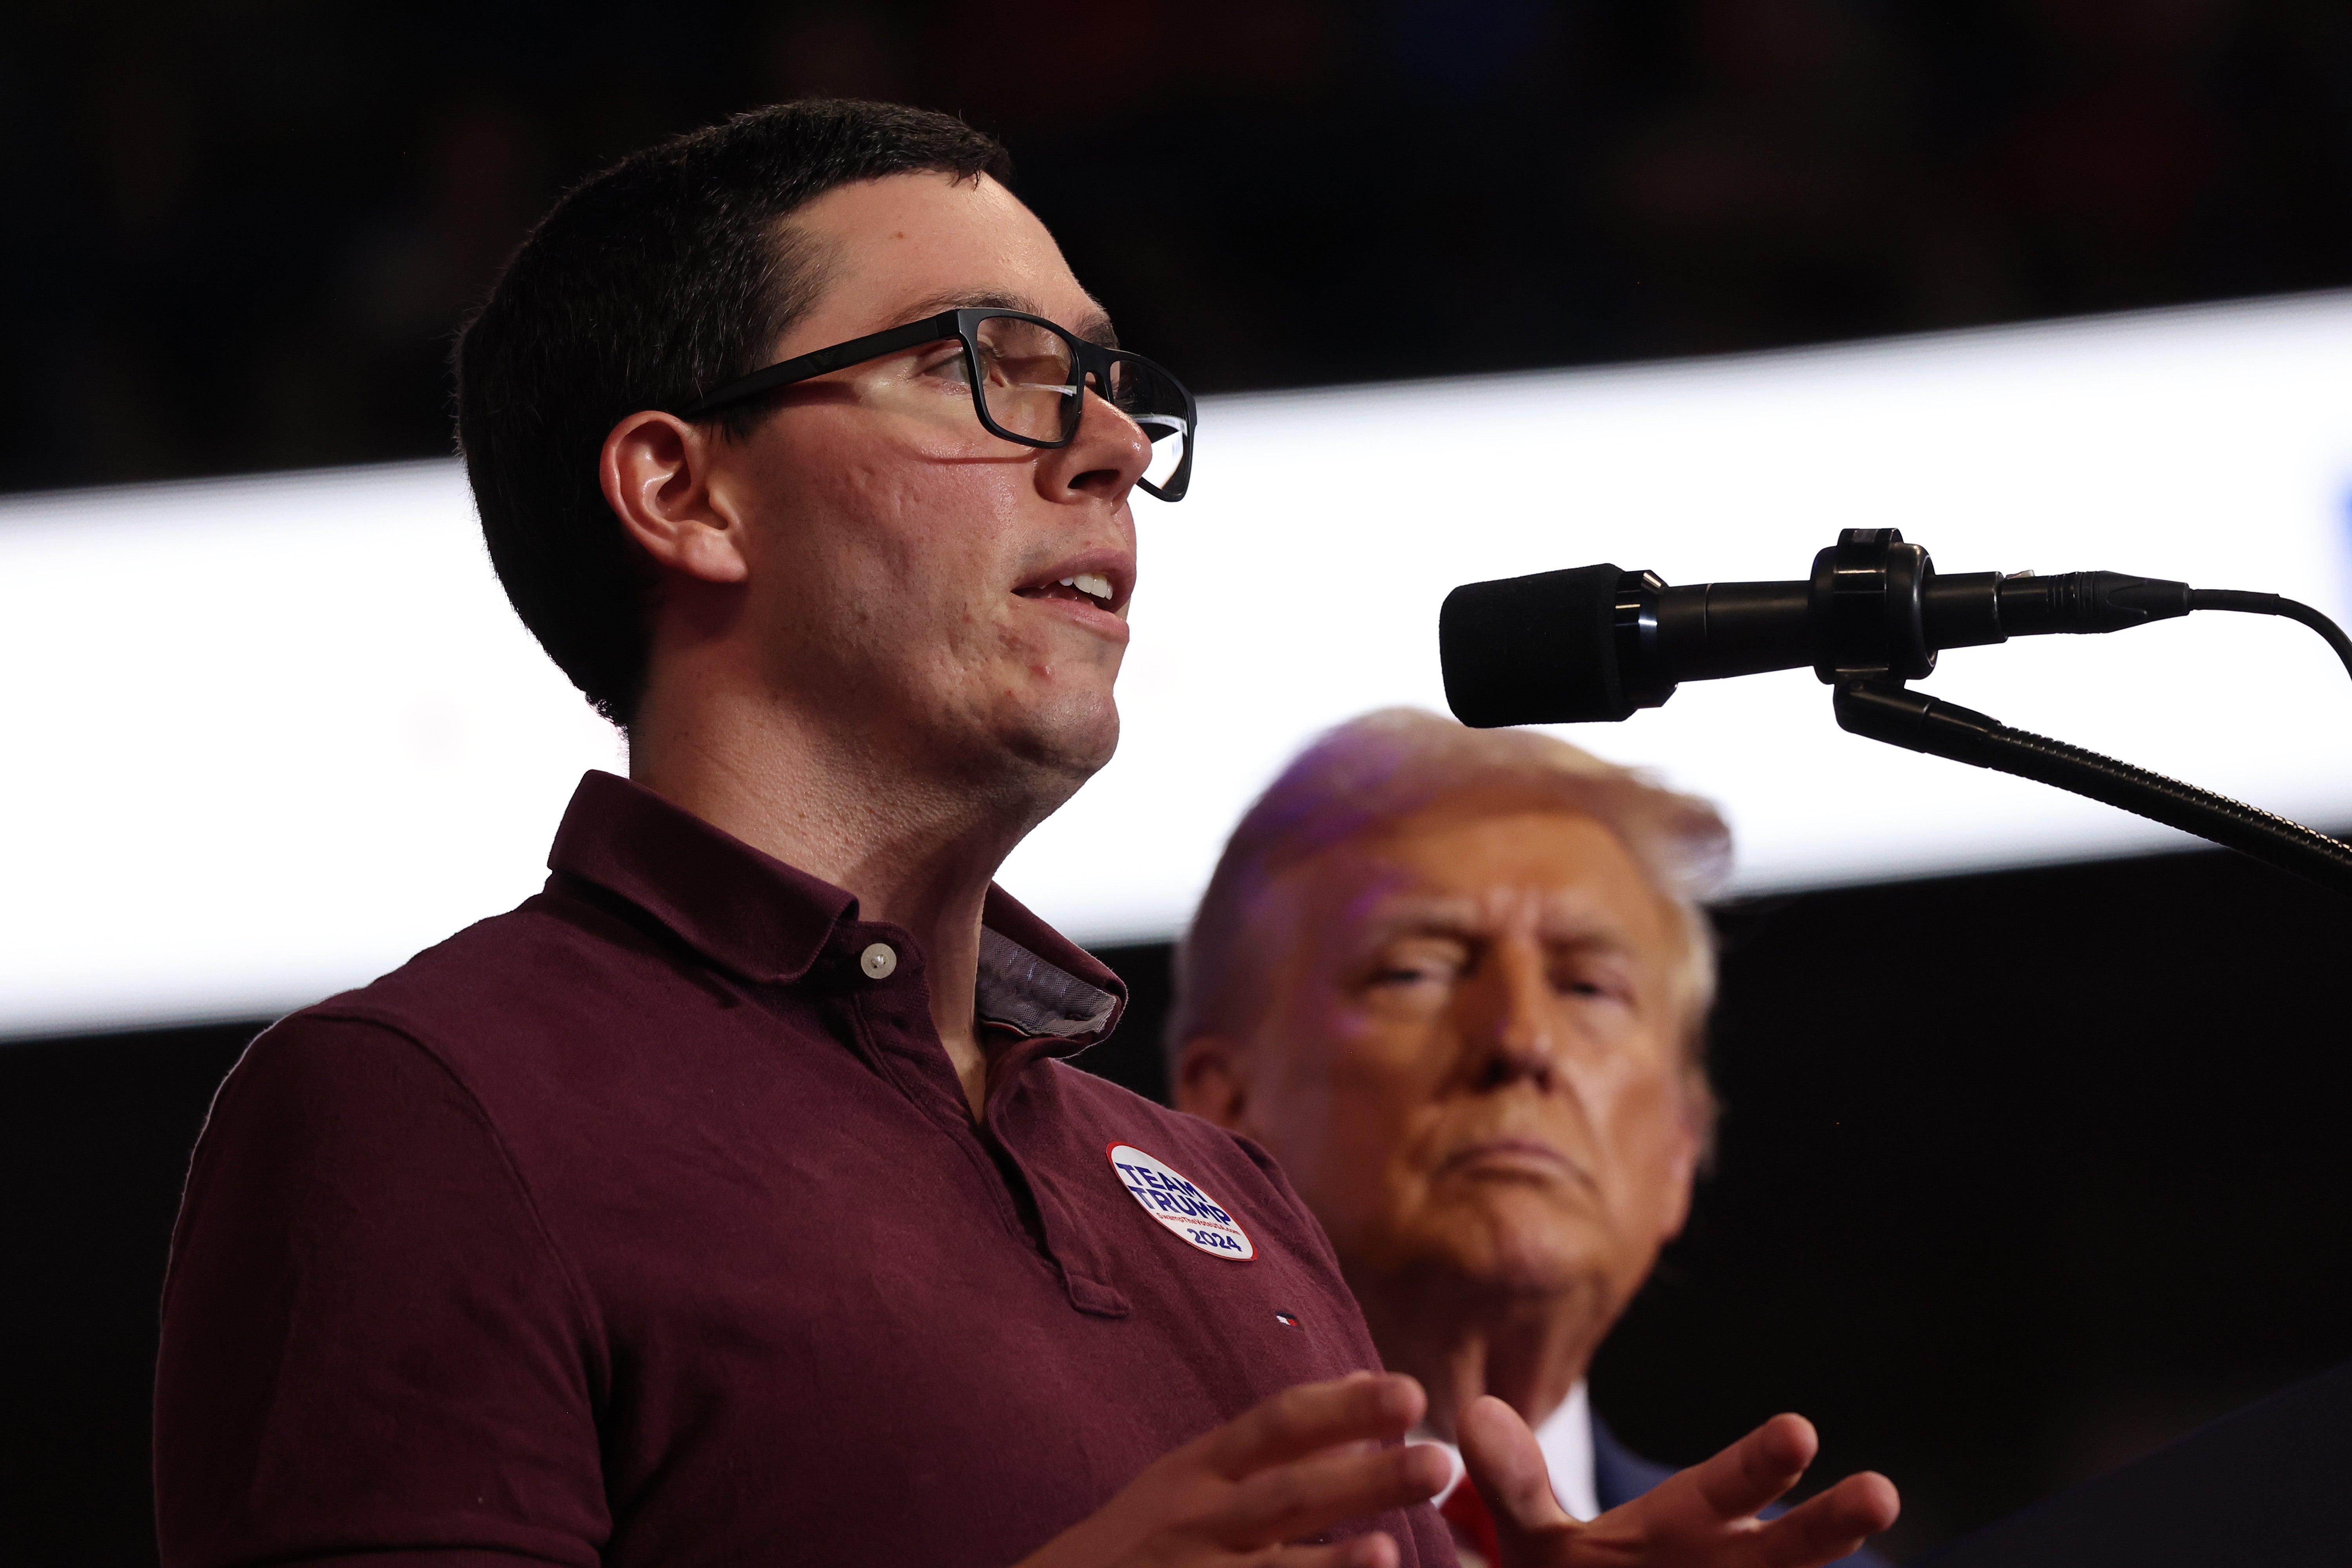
1468 1057
908 568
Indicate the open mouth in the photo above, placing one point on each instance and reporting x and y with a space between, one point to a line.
1100 587
1085 587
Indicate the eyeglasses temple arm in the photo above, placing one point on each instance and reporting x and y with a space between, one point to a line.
857 350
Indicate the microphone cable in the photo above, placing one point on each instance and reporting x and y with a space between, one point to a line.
2276 604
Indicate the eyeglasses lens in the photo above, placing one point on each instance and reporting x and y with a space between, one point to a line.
1145 395
1028 375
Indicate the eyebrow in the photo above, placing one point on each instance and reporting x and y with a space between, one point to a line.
1095 328
1561 923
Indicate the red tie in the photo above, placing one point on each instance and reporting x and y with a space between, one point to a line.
1466 1511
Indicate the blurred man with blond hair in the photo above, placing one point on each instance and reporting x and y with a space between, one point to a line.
1456 982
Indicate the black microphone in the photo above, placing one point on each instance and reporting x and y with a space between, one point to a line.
1596 642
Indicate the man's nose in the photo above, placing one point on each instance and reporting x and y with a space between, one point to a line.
1108 454
1513 1030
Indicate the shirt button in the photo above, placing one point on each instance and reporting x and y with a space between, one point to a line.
880 961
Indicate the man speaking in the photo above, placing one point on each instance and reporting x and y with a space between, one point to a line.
729 1201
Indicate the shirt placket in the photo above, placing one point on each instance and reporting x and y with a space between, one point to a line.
890 1011
1023 1121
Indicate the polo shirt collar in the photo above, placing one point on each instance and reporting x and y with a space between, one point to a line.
1023 989
768 924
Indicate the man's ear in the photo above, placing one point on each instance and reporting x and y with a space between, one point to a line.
1212 1080
656 471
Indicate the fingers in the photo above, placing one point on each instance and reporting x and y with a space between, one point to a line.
1832 1525
1308 1496
1507 1468
1706 1513
1362 1407
1758 1469
1311 1458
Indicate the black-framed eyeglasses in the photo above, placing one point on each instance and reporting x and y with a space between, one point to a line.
1029 381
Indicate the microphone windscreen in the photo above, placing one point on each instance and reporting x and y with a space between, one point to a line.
1534 650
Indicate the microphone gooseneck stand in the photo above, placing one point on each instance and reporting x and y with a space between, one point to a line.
1867 654
1883 710
1596 643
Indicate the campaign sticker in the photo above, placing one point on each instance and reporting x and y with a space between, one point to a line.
1171 1199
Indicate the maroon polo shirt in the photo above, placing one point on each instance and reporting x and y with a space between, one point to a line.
648 1224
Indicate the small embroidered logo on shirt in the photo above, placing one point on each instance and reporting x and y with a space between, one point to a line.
1288 1320
1170 1198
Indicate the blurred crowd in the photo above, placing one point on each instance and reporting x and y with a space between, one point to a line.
239 233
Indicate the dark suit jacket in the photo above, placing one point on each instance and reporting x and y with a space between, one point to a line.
1620 1475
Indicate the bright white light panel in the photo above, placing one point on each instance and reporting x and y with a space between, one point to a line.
268 737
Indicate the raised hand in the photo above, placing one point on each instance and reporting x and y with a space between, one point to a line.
1310 1458
1704 1517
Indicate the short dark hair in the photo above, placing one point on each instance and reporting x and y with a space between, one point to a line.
663 276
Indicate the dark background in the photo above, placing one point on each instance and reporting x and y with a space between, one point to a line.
238 231
2023 1174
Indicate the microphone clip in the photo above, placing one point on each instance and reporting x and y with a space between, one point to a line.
1868 601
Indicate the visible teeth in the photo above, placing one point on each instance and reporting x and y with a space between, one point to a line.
1093 584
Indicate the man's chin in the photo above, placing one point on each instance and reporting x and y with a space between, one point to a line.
1530 1271
1520 1247
1071 739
